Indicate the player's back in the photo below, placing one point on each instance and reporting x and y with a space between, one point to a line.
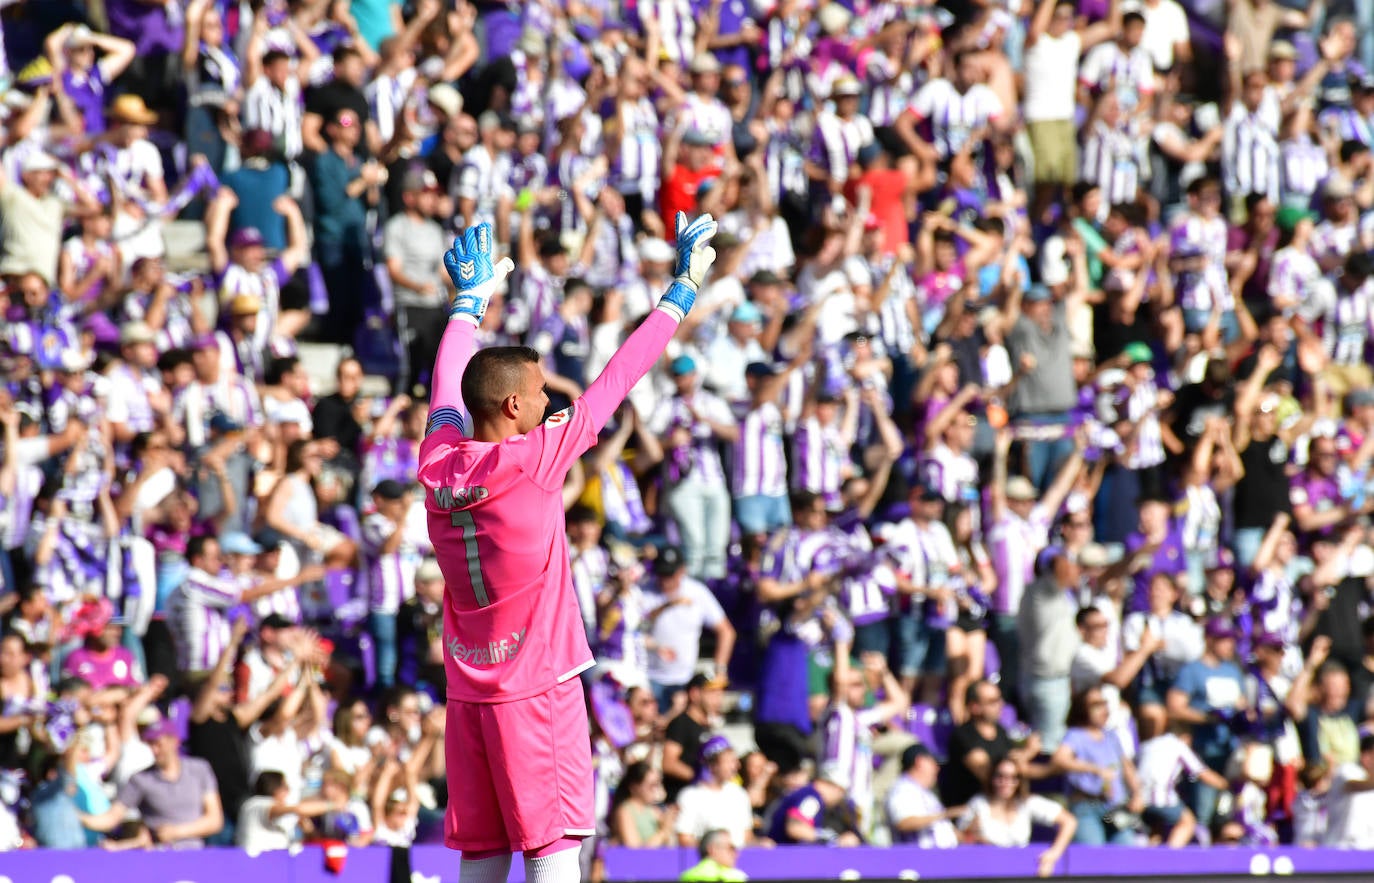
512 627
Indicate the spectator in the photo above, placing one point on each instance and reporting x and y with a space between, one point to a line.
1101 778
977 746
1004 813
177 797
637 816
1208 694
718 854
717 800
914 812
688 732
1162 760
679 609
819 812
1346 826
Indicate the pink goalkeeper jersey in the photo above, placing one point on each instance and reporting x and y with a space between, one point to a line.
512 626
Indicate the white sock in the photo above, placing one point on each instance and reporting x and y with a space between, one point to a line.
560 867
484 870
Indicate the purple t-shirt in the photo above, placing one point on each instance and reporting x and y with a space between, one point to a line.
1169 558
163 802
149 27
1318 491
1105 752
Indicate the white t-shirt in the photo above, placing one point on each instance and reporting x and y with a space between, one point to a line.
995 832
1166 25
908 799
679 628
1051 75
702 809
258 832
1350 814
283 753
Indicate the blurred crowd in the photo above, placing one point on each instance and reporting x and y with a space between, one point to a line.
1009 483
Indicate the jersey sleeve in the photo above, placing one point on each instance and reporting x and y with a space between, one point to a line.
566 435
446 400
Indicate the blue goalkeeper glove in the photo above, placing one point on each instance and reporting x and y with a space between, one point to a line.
470 267
694 258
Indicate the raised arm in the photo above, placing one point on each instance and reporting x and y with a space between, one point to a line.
644 347
476 279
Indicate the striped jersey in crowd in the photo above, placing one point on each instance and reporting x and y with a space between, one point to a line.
1013 542
390 575
760 457
197 616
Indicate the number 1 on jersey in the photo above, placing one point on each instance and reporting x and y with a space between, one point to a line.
462 518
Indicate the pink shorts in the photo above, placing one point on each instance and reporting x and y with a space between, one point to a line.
519 773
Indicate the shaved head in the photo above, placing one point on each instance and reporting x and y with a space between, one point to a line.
494 375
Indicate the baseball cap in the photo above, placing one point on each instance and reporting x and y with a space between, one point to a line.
238 543
1220 627
759 369
1020 488
75 361
1272 640
1282 50
834 772
245 305
914 753
1290 216
714 746
389 489
846 87
656 251
1359 397
697 138
1038 293
245 237
746 312
1096 555
669 561
765 277
419 180
224 423
446 98
705 63
1137 352
269 538
136 332
38 162
428 571
682 365
1337 187
160 728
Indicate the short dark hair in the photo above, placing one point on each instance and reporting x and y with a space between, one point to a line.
269 782
278 368
1351 149
493 375
272 56
195 546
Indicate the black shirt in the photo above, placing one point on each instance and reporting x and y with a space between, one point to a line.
1263 492
685 731
1192 407
224 746
959 784
333 418
416 628
334 96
